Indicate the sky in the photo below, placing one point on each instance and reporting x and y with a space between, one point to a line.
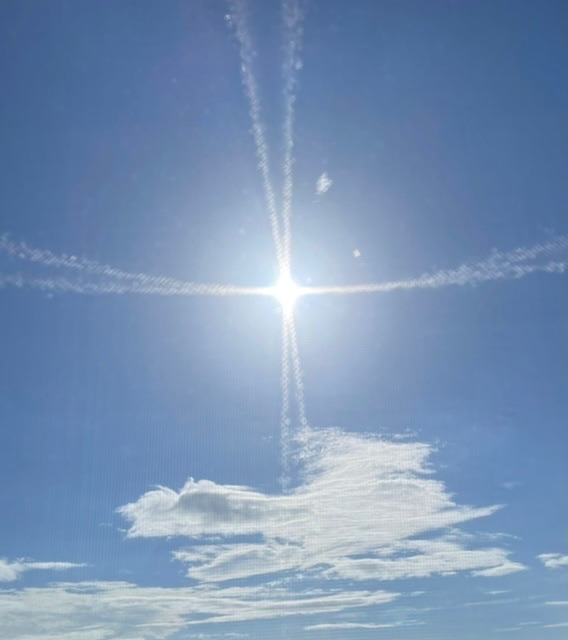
182 455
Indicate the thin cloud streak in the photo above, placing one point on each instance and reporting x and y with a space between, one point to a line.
10 571
341 626
99 610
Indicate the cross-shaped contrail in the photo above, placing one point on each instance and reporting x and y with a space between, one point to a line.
96 278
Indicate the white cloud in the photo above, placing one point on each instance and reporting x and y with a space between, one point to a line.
99 610
323 184
334 626
13 570
554 626
206 636
366 509
557 603
502 569
553 560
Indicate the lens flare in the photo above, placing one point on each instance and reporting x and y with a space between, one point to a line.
286 291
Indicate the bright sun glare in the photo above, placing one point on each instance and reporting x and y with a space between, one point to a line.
286 291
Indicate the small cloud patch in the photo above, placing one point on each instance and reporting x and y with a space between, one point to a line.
323 184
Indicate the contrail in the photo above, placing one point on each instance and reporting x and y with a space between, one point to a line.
285 412
511 265
292 17
250 86
154 286
297 373
107 279
290 356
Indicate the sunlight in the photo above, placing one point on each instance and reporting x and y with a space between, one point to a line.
286 291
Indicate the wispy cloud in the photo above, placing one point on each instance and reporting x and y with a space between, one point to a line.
366 509
13 570
553 560
336 626
206 636
99 610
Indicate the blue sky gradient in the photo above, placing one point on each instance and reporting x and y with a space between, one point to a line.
142 438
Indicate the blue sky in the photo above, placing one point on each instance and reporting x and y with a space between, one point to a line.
171 466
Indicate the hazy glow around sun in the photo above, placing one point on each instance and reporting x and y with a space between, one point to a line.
286 291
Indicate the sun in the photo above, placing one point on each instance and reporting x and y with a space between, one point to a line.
286 291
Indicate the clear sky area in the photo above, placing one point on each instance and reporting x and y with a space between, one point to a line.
283 312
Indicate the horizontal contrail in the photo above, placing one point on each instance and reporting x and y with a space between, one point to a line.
499 266
95 278
107 279
153 286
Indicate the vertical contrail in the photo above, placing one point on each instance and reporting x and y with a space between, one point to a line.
258 130
281 235
293 373
297 374
285 412
292 17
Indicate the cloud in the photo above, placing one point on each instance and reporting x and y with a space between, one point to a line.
230 634
334 626
323 184
365 509
99 610
553 560
503 569
13 570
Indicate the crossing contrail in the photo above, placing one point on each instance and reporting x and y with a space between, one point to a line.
154 286
246 53
511 265
285 423
292 17
95 278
